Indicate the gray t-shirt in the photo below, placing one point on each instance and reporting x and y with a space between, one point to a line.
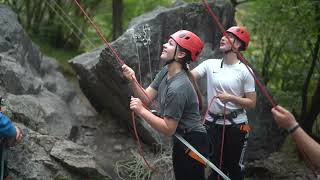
178 100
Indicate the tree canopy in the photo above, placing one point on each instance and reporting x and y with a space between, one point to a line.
285 50
284 47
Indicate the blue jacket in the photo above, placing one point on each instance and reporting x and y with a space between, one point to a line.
7 129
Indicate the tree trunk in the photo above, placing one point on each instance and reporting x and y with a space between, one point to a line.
308 117
117 6
28 15
311 117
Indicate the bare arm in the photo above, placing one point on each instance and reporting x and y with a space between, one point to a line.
145 95
164 125
195 74
248 101
13 141
286 120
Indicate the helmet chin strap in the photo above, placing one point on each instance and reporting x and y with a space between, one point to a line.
183 63
173 59
231 50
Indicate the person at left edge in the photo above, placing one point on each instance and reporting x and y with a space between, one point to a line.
10 135
179 99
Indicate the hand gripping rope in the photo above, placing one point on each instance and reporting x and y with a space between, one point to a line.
121 63
262 88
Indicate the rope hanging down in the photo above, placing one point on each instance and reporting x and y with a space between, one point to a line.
262 87
98 31
242 59
110 47
121 63
70 20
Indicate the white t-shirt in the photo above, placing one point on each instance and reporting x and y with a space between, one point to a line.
234 79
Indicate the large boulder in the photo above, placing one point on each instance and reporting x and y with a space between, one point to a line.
46 107
100 77
99 72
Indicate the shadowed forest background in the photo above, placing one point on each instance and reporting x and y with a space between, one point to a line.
284 46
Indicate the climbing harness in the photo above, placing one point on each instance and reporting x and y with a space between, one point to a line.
242 59
201 157
121 63
261 87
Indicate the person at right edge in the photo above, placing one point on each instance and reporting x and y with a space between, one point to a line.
10 135
286 120
230 81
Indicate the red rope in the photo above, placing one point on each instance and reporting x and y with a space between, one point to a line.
208 109
262 88
242 59
139 144
109 46
100 34
222 138
121 63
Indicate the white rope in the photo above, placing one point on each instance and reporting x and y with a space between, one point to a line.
68 25
202 157
75 25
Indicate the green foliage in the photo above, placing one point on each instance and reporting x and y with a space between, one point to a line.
62 31
60 55
131 9
282 34
60 177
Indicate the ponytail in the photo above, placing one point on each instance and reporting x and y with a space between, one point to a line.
186 60
196 87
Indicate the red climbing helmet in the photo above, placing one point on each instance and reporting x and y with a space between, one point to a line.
189 41
242 34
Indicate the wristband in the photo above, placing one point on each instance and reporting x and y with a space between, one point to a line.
292 129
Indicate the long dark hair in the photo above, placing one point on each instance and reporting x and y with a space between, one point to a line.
186 60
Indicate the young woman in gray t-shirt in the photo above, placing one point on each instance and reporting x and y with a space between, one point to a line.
179 100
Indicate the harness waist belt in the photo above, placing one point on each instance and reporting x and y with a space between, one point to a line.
230 116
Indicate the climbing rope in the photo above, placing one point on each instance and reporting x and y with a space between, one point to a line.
135 39
63 20
262 88
71 21
242 59
121 63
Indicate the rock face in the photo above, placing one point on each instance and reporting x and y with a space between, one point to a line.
45 106
64 136
140 47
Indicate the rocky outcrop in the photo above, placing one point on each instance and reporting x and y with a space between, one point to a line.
99 72
100 77
63 135
45 106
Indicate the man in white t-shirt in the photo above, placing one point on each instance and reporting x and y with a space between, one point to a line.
231 89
